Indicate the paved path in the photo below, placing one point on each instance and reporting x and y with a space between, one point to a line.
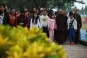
76 51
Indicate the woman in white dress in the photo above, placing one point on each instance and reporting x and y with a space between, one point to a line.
35 21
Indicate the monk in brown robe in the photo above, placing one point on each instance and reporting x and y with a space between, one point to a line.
62 26
79 25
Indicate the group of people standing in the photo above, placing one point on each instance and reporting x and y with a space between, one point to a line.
58 26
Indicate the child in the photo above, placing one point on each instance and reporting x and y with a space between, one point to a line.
51 26
86 34
35 21
44 22
72 26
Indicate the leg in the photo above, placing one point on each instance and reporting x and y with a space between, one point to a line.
71 38
50 36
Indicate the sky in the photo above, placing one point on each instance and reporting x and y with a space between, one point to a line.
79 5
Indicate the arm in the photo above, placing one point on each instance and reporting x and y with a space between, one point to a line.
31 24
68 23
39 24
75 24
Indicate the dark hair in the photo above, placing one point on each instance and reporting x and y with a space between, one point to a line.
11 12
51 15
31 11
2 4
45 10
34 18
70 13
22 11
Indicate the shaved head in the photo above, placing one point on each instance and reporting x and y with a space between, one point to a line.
60 11
76 10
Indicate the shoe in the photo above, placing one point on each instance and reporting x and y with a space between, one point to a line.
73 43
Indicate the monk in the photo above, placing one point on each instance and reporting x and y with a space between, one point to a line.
62 26
79 25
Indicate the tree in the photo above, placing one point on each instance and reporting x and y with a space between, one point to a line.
19 4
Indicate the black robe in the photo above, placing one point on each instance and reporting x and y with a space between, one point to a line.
62 26
79 25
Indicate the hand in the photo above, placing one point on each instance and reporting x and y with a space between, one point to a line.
21 23
75 30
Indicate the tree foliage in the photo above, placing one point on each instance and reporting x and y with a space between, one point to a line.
19 4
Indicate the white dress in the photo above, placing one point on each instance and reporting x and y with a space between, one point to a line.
38 25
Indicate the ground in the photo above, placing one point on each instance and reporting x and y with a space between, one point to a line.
75 51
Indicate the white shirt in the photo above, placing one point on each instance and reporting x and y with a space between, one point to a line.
44 20
74 23
1 18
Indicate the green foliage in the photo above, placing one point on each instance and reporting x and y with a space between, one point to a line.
19 4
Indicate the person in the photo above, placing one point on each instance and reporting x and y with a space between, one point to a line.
66 31
35 21
79 25
12 17
17 13
6 8
62 26
44 22
51 27
35 10
72 26
86 34
22 20
27 17
4 16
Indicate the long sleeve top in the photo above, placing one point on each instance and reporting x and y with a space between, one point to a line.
44 20
38 25
74 23
52 24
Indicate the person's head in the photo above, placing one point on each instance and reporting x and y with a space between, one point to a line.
35 15
44 12
60 11
25 9
2 7
31 12
22 12
71 14
64 13
34 9
41 12
13 11
75 10
35 18
17 12
52 16
26 13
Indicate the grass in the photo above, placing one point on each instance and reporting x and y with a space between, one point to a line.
84 26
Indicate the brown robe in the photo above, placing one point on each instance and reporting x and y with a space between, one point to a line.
62 26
